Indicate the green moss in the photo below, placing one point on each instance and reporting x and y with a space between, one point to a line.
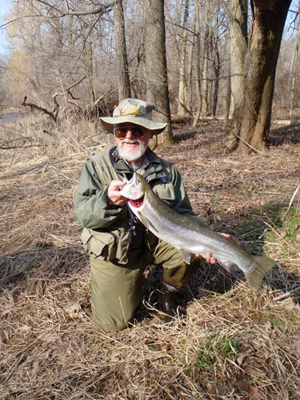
213 348
284 240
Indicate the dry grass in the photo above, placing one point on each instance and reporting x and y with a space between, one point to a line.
233 344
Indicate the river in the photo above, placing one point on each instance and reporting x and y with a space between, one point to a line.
11 116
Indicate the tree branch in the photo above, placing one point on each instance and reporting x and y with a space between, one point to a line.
99 10
36 107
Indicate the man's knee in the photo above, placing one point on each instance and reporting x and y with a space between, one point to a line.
115 295
108 323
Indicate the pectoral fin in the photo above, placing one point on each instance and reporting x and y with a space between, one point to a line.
143 220
186 255
148 224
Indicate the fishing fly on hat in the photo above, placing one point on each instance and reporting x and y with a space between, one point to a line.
136 111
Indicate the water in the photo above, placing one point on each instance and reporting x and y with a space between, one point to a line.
11 117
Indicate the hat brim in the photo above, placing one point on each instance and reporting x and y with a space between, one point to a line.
156 127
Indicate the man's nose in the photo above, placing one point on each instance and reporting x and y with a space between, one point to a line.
129 134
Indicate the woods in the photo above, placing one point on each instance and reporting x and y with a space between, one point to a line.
224 75
192 59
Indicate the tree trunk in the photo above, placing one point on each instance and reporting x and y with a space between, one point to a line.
198 65
216 69
156 64
228 96
205 87
238 50
261 61
294 67
124 91
182 64
88 59
189 80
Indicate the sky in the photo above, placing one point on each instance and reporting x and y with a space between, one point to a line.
4 8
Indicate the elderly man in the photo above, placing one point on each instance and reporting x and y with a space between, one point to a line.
119 245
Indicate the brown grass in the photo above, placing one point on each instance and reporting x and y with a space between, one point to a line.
233 344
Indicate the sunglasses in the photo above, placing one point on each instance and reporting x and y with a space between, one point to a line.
136 131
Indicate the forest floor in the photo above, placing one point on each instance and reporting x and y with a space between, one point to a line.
233 344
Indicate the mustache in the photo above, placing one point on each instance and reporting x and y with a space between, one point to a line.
130 141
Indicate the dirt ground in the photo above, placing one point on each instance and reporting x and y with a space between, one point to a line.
233 343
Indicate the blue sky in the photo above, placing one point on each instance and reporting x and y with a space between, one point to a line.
4 8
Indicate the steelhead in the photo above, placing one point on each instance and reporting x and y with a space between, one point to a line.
188 235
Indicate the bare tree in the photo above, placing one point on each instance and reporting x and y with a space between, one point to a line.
238 50
122 62
156 63
216 65
182 64
58 43
206 51
198 65
266 33
294 66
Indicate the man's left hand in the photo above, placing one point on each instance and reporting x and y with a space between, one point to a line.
208 256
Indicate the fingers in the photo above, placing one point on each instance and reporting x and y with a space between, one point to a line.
208 257
113 193
116 185
226 235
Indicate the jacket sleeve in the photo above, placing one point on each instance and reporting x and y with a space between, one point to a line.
91 207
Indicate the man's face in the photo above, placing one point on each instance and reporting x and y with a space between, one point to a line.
132 141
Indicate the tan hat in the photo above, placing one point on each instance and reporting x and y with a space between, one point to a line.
135 111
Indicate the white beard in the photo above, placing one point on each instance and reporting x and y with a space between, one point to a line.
129 156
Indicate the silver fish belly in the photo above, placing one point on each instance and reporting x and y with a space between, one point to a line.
190 237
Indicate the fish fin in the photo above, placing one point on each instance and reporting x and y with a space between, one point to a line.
143 220
186 255
264 264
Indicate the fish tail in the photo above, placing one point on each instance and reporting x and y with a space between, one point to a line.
264 264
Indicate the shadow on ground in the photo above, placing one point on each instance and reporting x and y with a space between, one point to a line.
285 134
44 261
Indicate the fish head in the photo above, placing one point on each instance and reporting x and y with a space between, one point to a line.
135 188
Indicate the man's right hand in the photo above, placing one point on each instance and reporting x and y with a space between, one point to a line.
113 193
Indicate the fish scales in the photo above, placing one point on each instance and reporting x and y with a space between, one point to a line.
188 235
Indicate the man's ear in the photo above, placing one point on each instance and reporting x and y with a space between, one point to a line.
150 133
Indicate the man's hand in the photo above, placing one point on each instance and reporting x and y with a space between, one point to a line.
208 256
113 193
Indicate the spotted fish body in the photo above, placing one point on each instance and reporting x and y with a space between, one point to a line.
188 235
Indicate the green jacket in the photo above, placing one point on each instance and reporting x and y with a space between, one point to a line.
107 232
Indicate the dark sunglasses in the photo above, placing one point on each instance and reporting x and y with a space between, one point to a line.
121 132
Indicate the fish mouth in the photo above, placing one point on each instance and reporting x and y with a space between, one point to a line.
137 203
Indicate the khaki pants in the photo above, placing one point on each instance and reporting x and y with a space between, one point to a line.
116 289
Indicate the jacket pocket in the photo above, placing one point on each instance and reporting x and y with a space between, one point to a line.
107 246
165 191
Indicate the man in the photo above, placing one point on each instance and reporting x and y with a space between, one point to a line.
118 244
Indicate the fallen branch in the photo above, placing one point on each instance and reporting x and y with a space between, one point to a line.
247 144
39 108
185 107
291 202
54 114
21 147
285 295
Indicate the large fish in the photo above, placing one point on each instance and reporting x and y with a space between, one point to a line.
188 235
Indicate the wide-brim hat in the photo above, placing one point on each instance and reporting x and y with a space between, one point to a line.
135 111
